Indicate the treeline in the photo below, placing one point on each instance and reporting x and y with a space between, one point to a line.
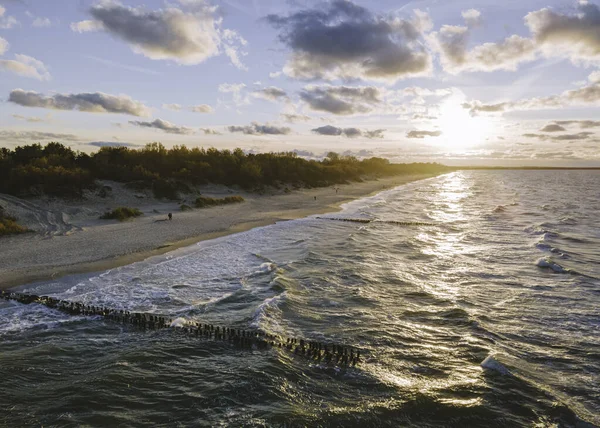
57 170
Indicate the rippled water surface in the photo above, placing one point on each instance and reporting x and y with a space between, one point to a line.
489 318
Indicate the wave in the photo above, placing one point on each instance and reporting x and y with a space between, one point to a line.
267 314
491 364
545 262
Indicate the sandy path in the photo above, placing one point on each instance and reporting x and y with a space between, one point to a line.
99 245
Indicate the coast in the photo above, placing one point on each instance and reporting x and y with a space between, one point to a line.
69 239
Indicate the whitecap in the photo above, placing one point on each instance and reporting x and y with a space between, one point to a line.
545 262
490 363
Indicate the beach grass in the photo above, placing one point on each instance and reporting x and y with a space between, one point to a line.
206 202
121 214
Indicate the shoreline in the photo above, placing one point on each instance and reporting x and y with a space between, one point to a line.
133 241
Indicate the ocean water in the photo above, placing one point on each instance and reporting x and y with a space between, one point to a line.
489 317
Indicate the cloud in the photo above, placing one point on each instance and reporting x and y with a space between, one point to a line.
587 95
40 22
272 93
30 119
3 46
87 26
563 137
341 40
423 134
34 136
202 108
258 129
577 35
582 123
348 132
552 127
375 133
209 131
187 35
594 76
451 42
293 118
341 100
25 66
7 22
111 144
472 17
235 89
174 107
96 102
163 125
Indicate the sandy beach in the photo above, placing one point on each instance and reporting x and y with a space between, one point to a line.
69 238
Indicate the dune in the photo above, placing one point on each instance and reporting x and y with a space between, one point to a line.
70 238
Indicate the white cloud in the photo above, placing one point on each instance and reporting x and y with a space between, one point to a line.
236 90
202 108
472 17
25 66
41 22
86 26
451 42
7 22
174 107
4 45
585 96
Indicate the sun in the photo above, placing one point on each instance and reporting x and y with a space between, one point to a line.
460 130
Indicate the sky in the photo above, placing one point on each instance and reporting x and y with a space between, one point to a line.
515 82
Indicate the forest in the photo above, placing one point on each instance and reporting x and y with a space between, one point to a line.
57 170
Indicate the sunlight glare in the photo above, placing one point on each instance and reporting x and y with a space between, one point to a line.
459 129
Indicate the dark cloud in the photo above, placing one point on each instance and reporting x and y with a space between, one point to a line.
31 119
552 127
375 133
22 137
348 132
328 130
258 129
585 124
344 40
293 118
163 125
563 137
188 36
423 134
578 34
210 131
341 100
111 144
96 102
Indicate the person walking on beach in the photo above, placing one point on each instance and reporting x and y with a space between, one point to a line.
170 216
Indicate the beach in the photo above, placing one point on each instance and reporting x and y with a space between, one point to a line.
68 238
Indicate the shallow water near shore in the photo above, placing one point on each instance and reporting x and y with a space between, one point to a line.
488 317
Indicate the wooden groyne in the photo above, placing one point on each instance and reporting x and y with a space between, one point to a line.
327 353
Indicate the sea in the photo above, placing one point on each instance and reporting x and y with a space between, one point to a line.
474 297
